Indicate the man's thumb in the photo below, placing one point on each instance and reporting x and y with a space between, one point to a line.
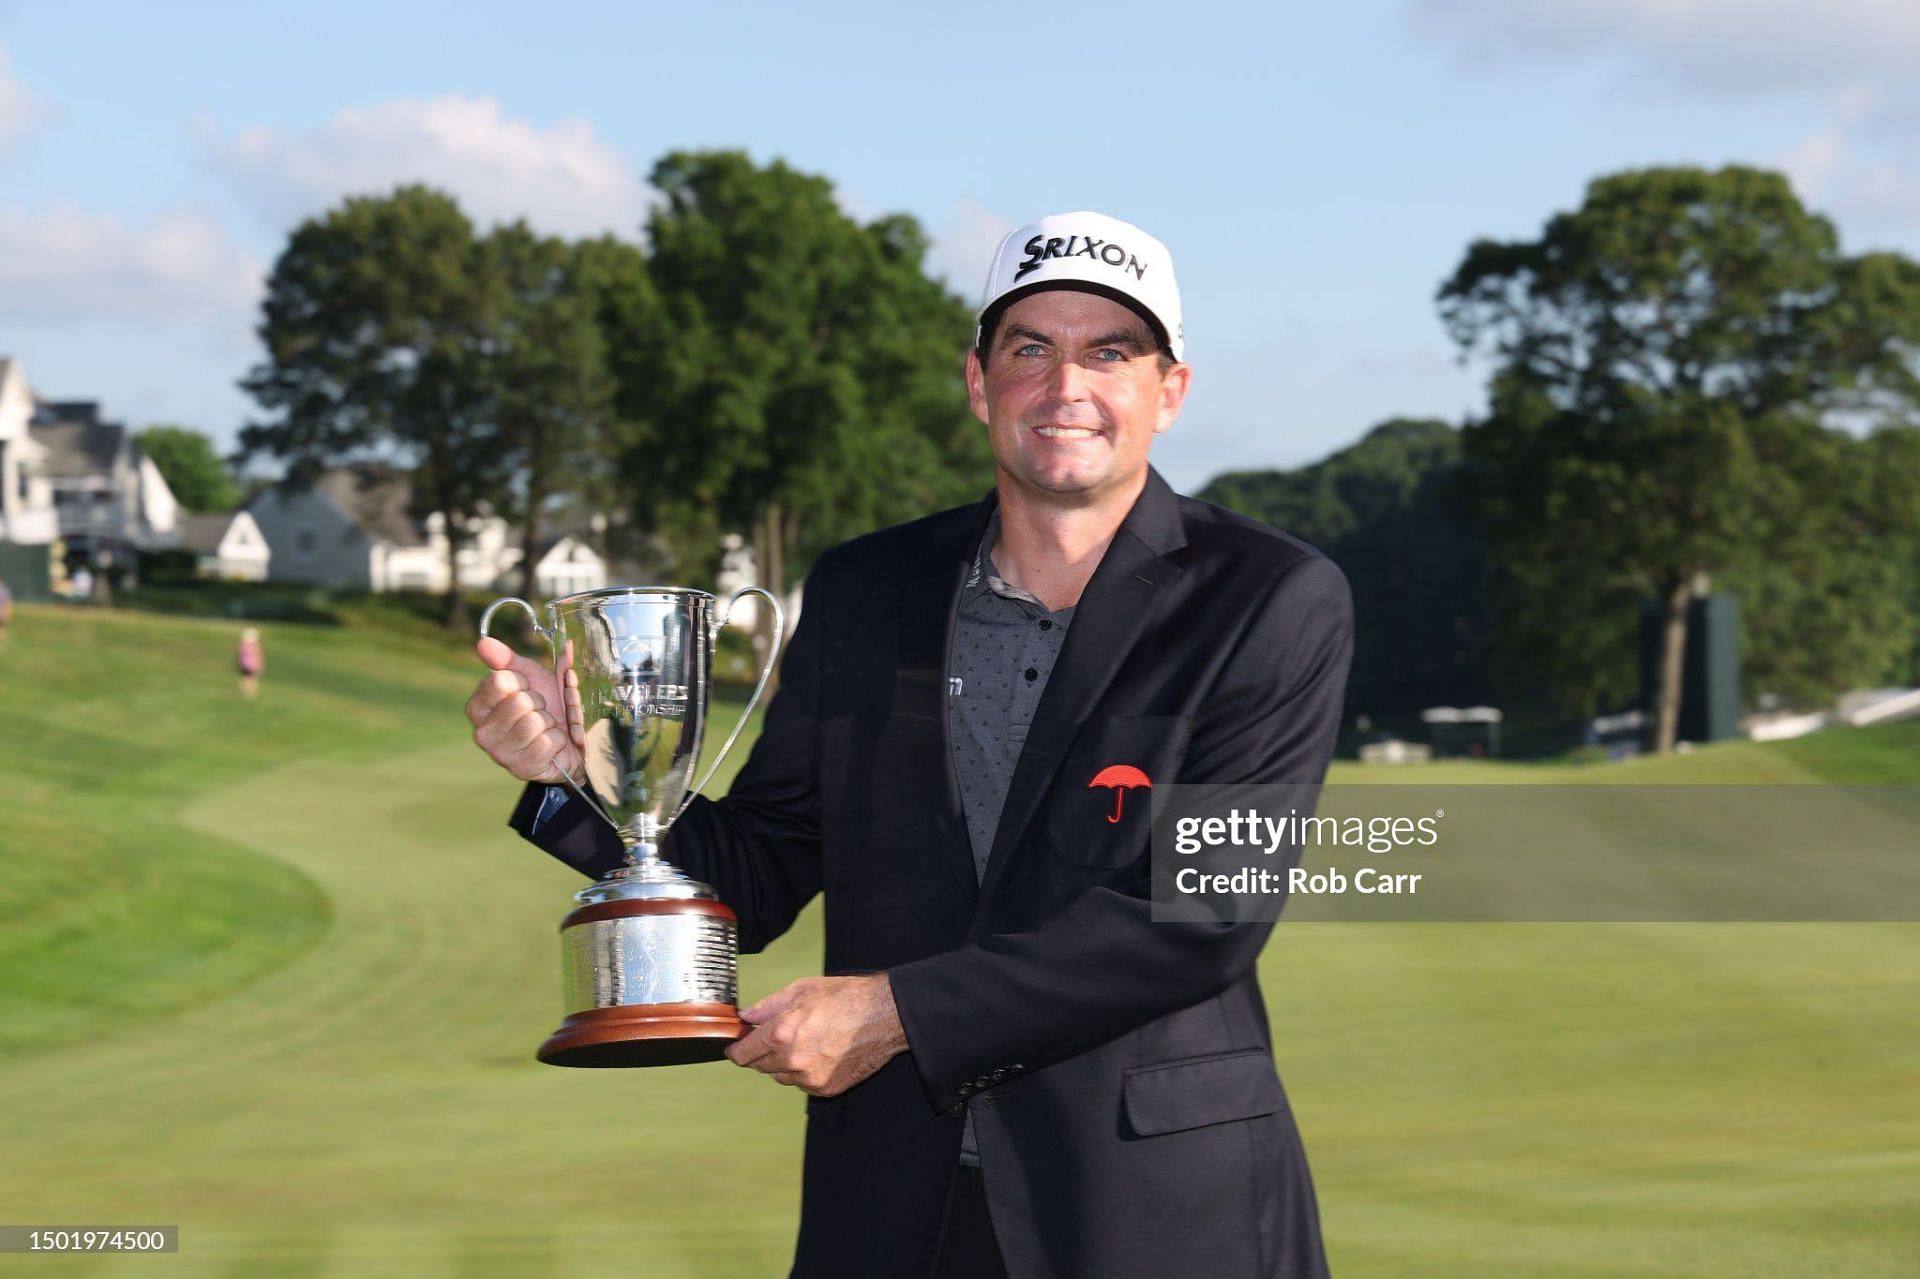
500 658
494 653
770 1007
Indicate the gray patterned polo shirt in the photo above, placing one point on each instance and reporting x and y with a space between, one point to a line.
1005 645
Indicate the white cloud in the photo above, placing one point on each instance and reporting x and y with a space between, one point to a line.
1848 62
18 110
1812 164
1716 45
75 264
963 246
562 178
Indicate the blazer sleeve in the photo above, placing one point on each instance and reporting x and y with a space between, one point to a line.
1015 1002
759 846
572 833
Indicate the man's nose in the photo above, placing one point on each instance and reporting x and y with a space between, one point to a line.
1070 381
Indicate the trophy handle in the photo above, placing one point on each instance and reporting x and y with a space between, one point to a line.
552 636
773 655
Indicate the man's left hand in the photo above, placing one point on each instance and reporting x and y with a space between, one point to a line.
822 1035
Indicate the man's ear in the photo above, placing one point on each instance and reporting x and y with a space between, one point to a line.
976 384
1173 394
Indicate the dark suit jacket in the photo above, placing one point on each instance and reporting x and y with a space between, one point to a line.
1120 1071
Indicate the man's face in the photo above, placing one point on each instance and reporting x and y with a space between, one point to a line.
1073 395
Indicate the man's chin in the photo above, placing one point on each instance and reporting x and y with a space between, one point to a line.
1065 483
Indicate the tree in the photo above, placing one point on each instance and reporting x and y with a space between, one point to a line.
551 390
614 275
1669 361
799 378
378 327
191 466
1384 510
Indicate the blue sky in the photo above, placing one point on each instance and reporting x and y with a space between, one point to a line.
1316 170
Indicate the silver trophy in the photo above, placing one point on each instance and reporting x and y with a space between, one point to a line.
651 955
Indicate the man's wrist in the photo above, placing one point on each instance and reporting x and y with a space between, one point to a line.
889 1014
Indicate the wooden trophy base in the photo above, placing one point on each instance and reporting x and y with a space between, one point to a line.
644 1035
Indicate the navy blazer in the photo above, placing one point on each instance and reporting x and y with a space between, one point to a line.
1119 1071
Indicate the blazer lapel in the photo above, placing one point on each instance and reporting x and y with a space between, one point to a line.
1113 611
929 604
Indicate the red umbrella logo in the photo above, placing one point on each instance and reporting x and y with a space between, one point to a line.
1122 777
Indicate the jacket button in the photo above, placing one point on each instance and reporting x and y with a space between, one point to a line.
982 1082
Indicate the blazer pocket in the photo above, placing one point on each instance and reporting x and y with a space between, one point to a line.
1098 807
1200 1091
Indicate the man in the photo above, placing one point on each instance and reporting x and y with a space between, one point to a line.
1012 1069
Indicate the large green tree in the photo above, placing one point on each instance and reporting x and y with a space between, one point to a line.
191 466
1384 510
552 393
796 374
1673 361
379 328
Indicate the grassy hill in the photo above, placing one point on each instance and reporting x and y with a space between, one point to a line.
274 972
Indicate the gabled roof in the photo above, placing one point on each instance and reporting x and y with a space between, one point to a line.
202 534
78 444
376 498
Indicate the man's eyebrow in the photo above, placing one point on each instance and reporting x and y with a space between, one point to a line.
1129 338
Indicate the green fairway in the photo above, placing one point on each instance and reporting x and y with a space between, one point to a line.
274 972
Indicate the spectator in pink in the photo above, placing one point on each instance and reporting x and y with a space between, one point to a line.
252 661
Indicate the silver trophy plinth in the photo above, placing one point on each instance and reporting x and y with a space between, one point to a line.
651 955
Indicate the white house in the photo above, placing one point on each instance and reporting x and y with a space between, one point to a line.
26 497
354 528
739 568
566 566
109 499
230 547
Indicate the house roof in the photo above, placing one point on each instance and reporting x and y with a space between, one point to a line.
548 545
202 534
77 444
377 499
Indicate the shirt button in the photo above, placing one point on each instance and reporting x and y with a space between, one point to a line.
1032 675
1045 625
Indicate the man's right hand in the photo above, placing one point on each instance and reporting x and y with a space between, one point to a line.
513 716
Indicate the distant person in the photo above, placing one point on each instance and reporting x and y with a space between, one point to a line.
6 611
252 661
80 585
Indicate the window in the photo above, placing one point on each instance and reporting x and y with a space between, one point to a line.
304 542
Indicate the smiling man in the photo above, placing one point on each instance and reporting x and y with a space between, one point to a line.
1011 1069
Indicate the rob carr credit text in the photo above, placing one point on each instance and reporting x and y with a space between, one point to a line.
1269 835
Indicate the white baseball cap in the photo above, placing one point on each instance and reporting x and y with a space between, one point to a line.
1090 252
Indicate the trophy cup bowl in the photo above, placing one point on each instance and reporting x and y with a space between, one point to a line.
650 955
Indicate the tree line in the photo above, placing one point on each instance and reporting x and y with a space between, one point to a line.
1692 388
767 364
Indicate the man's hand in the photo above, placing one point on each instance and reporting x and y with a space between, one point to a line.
822 1035
513 716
